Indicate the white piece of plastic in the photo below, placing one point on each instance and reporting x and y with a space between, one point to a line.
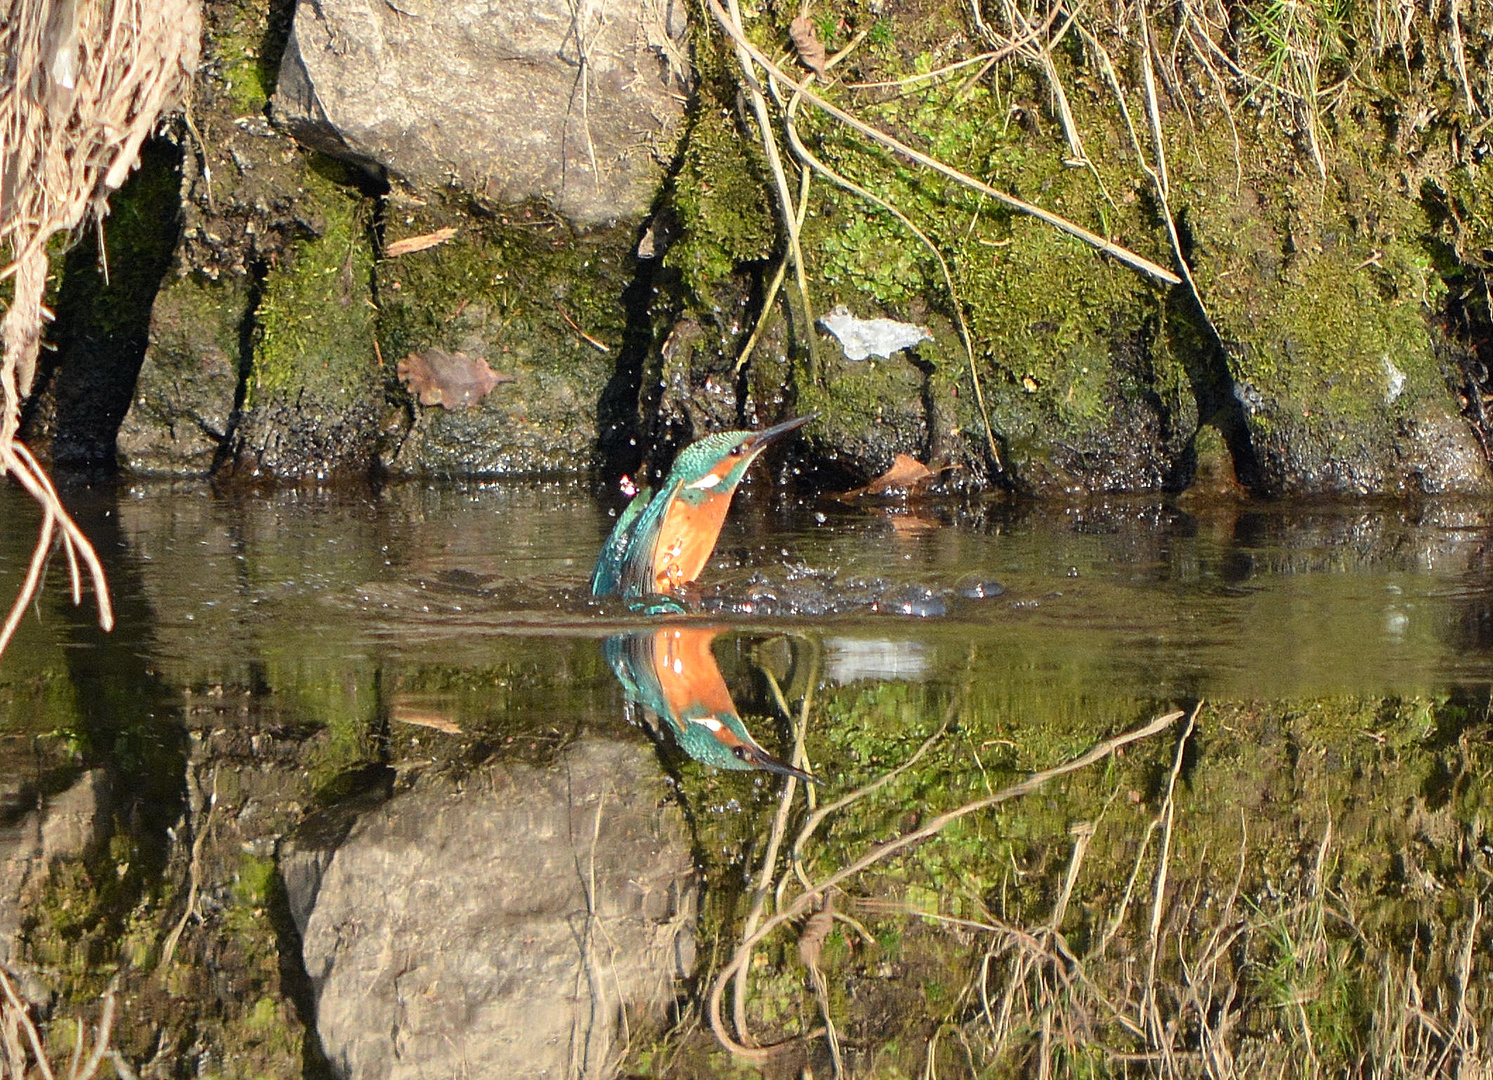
864 338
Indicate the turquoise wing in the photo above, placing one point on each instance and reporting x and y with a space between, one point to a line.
636 578
606 578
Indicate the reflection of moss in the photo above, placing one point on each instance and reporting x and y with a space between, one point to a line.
1269 780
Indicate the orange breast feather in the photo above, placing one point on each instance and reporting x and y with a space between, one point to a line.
688 674
686 540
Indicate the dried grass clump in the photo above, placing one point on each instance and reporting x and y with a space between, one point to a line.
83 85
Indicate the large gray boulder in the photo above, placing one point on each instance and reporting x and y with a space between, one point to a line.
498 927
562 100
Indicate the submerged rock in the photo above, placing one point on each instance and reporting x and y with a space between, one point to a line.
499 927
548 101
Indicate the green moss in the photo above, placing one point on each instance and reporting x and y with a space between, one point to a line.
237 41
316 319
723 202
504 287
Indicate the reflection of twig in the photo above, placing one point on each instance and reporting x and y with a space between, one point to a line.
800 904
15 1021
1163 860
194 878
588 965
16 459
759 897
817 817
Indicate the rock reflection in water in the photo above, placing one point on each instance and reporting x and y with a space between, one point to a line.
500 926
672 674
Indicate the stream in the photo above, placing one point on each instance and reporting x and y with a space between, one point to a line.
366 784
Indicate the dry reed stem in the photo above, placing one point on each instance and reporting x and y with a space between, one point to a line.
771 294
806 157
936 825
786 210
1078 232
86 84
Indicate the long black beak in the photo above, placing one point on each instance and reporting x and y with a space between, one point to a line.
759 758
758 441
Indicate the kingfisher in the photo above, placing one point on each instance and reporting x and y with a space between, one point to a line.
672 673
662 541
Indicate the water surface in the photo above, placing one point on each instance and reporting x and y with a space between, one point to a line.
281 658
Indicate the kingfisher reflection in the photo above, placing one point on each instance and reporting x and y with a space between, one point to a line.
672 674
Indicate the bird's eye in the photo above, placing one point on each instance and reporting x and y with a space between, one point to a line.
740 448
740 752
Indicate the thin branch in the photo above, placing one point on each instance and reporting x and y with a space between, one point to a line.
1078 232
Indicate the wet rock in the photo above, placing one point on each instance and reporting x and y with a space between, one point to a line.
917 600
975 587
313 395
184 398
1440 456
261 343
868 413
449 932
548 101
545 307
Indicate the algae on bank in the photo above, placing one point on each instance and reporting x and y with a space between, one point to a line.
1318 284
541 303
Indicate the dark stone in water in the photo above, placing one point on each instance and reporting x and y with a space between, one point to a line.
973 587
916 600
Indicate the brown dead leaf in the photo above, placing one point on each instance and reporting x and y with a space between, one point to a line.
451 380
806 40
418 243
816 930
423 717
907 476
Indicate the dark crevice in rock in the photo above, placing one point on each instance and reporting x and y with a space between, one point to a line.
1206 359
1466 326
247 329
103 314
278 20
619 449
